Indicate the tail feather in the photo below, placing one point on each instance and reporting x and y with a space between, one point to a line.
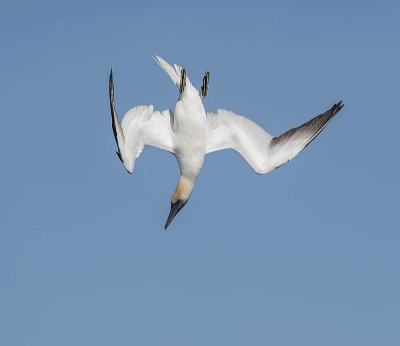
175 74
178 70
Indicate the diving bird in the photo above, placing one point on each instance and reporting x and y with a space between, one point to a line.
190 133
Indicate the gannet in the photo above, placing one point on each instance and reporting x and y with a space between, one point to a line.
190 133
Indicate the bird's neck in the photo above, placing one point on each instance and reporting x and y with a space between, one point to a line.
183 190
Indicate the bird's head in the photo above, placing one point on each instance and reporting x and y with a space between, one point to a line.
180 197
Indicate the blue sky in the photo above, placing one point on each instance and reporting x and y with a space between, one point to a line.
306 255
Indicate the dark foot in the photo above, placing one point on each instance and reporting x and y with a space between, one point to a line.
183 80
204 87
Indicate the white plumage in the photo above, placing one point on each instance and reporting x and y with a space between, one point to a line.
190 134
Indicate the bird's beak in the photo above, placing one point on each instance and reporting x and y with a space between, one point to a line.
175 208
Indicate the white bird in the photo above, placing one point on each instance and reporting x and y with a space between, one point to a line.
189 133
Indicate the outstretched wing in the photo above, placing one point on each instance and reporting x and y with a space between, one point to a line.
140 126
264 153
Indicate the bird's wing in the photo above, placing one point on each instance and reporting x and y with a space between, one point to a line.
140 126
264 153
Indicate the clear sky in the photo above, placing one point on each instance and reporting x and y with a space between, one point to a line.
306 255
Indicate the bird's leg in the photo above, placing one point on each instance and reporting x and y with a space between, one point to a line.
204 87
183 80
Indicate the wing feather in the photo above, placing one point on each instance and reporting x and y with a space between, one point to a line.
264 153
140 126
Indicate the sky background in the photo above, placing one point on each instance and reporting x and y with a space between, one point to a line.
306 255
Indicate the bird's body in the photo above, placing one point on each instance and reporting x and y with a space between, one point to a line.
189 133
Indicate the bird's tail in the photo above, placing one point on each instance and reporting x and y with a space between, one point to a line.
175 72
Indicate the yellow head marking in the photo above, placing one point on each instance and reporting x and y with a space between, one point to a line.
183 190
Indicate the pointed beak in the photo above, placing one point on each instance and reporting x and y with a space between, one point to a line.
175 208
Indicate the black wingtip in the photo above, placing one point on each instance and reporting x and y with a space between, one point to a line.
111 85
119 156
337 107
